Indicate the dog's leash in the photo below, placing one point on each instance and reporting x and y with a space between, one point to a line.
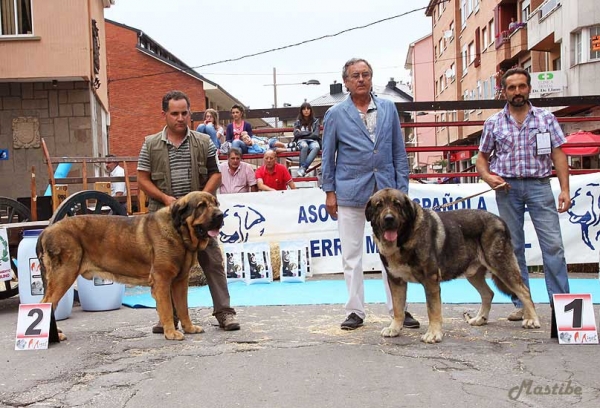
439 207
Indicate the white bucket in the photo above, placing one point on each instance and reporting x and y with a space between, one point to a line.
31 288
99 294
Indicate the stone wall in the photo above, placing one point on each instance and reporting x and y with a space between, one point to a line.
59 113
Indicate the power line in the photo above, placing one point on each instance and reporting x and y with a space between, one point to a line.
272 49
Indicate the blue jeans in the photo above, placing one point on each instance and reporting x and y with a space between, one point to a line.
211 131
537 195
240 145
308 151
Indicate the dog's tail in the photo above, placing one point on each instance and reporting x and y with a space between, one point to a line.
501 286
39 250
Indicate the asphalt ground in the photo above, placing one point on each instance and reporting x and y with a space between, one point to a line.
297 357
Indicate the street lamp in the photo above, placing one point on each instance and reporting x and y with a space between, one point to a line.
275 84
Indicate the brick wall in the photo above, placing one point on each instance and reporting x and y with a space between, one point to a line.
135 103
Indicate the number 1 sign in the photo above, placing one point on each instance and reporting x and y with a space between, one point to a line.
575 318
33 326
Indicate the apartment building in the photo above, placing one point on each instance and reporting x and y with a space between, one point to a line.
53 85
420 64
476 41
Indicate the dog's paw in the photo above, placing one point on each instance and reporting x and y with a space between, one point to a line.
193 329
174 335
531 323
475 321
391 331
432 336
62 336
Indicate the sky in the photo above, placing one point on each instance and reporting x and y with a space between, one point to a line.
201 33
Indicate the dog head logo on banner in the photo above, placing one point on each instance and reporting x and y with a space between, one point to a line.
585 211
239 222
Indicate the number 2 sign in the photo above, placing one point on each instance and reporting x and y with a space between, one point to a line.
575 318
33 326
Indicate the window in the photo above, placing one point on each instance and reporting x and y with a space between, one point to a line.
453 70
595 42
464 59
491 31
435 52
479 93
484 37
463 13
441 46
525 10
527 65
471 52
15 17
577 51
556 65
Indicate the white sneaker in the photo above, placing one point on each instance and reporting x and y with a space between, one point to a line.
301 172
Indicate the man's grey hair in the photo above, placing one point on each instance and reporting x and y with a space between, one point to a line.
353 61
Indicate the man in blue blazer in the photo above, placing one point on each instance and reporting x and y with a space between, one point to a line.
363 151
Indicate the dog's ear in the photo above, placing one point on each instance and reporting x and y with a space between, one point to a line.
180 210
369 210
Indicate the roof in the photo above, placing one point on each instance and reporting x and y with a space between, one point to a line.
152 48
395 92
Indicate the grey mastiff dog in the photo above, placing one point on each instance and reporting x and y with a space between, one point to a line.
419 245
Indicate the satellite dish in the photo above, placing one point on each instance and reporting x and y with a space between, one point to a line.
449 73
448 34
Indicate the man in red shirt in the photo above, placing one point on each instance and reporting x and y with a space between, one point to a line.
273 176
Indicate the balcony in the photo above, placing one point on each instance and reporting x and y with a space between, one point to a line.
503 50
518 41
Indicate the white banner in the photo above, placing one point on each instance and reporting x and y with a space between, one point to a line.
300 214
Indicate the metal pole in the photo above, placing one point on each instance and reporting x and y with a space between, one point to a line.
275 95
448 158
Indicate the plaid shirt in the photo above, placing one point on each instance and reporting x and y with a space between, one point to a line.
516 148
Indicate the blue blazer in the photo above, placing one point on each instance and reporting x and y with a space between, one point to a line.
352 164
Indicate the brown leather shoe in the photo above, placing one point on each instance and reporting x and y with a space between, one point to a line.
228 322
158 328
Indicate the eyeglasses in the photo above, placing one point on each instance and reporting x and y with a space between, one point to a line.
357 75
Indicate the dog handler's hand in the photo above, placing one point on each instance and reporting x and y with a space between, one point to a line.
331 204
495 181
564 201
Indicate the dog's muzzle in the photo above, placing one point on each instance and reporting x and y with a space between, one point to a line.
213 227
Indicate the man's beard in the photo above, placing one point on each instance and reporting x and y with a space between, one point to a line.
519 103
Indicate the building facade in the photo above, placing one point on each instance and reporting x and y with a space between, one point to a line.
476 41
53 85
141 72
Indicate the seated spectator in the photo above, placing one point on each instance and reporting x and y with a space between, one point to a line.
237 176
253 144
211 127
273 176
118 188
307 137
235 128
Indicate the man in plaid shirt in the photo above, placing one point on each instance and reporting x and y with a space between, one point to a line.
526 141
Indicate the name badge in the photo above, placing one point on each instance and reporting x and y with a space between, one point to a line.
543 143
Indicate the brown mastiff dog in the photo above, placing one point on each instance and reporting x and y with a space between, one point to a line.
419 245
155 250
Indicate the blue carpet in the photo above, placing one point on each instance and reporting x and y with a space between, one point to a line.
319 292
